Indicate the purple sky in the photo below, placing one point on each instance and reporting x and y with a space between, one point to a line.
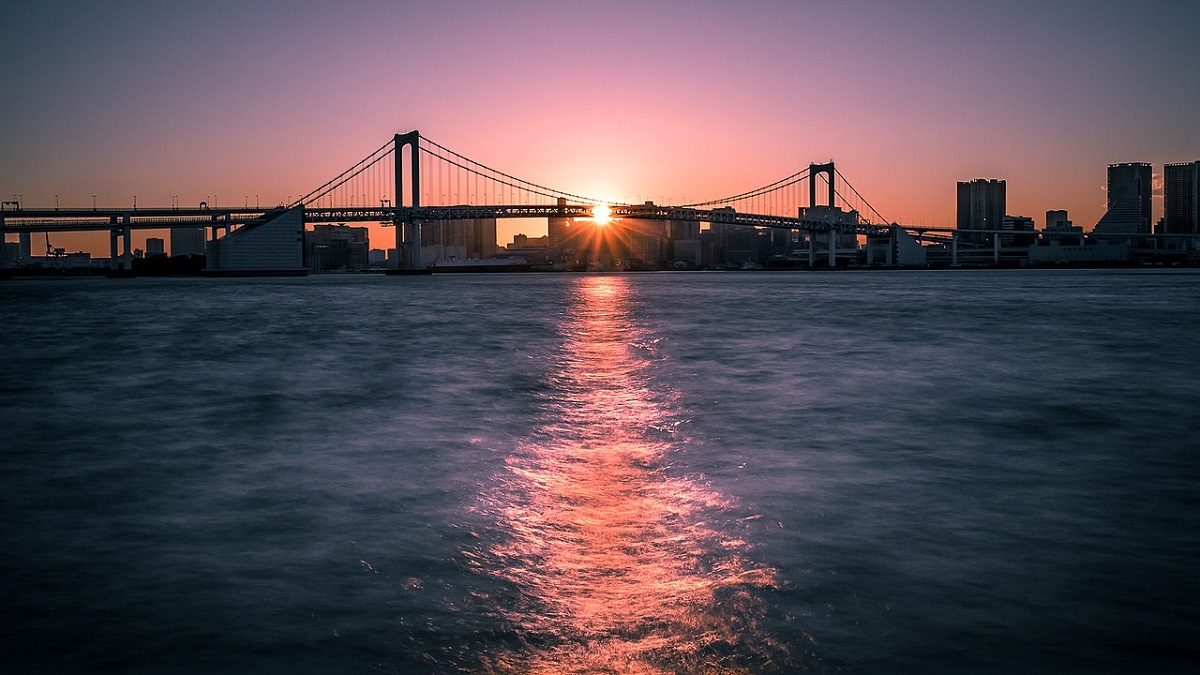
669 101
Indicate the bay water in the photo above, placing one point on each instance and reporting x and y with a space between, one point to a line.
875 472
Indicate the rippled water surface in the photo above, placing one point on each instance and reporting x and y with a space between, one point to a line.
972 472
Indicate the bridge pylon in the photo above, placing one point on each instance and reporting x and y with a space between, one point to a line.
408 232
813 170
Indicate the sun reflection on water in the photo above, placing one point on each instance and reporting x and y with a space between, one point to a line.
616 563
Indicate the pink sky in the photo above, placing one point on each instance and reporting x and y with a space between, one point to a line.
670 101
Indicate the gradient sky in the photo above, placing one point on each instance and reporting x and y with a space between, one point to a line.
670 101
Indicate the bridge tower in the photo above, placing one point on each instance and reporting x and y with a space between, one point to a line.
408 232
834 231
813 170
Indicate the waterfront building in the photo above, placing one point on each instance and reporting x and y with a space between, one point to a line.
559 233
1129 199
523 242
898 248
273 246
187 241
465 239
646 241
1023 231
1059 228
981 206
1181 199
338 247
155 246
845 237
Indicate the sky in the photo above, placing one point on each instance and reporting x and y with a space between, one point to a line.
670 101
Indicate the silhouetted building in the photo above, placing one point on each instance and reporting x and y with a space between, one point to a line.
271 246
1059 228
559 234
187 241
466 239
155 246
1129 198
1057 219
981 205
1023 232
1181 199
523 242
338 247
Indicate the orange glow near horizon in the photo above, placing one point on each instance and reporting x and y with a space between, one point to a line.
618 563
601 214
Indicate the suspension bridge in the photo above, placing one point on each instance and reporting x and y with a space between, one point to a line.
411 181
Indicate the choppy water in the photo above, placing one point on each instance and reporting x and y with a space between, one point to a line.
970 472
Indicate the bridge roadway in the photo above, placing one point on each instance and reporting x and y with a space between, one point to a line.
98 220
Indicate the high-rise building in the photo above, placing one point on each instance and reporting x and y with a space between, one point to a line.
1129 195
981 205
1181 199
334 247
187 241
469 238
558 232
558 229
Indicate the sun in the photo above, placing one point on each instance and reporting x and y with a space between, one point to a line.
601 214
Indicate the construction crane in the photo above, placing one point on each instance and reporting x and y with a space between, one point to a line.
56 253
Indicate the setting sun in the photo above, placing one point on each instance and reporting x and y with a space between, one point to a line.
601 214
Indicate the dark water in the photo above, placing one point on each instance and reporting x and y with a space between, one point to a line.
969 472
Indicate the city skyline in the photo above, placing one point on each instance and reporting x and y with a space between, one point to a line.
134 99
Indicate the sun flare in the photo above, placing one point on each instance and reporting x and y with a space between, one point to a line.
601 214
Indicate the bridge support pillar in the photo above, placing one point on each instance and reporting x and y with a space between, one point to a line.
127 256
995 247
890 258
812 249
833 237
112 248
413 235
954 249
397 262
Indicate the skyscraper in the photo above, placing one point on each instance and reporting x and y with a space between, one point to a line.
1128 199
981 205
187 241
468 238
1181 199
333 247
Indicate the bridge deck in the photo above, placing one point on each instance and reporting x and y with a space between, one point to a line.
79 220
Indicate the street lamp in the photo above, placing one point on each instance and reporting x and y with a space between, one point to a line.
93 202
55 202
